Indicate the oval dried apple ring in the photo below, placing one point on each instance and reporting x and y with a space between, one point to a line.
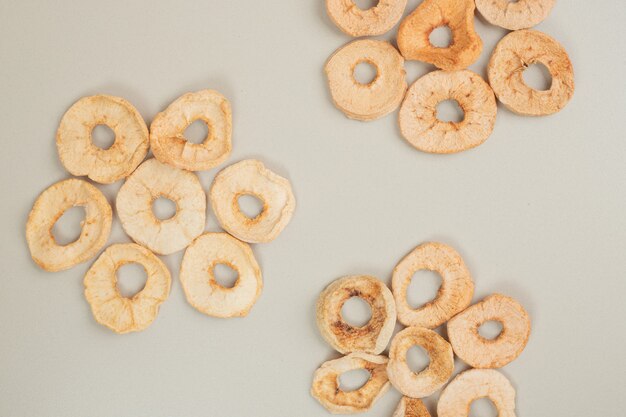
411 407
50 206
366 101
370 22
512 55
250 177
455 294
370 338
167 139
479 352
521 14
202 290
150 181
418 120
326 390
77 151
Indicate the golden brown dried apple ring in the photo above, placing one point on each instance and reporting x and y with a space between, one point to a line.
438 372
250 177
109 307
513 54
458 15
521 14
366 101
77 151
455 294
370 22
479 352
457 397
50 206
418 115
203 292
167 139
325 388
411 407
370 338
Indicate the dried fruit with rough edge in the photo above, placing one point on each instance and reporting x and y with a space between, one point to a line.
355 21
418 115
454 295
458 15
514 15
366 101
411 407
50 206
167 139
370 338
516 52
202 290
250 177
150 181
77 151
109 307
325 388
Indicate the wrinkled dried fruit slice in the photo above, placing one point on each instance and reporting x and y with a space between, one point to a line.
201 288
77 151
150 181
479 352
109 307
516 52
370 22
370 338
167 139
250 177
366 101
455 294
418 115
456 398
325 388
514 15
411 407
50 206
458 15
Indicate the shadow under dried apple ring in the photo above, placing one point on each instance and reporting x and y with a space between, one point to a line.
520 14
355 21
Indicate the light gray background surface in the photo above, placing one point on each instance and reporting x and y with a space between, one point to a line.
537 211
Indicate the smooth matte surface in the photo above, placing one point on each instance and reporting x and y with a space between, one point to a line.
537 212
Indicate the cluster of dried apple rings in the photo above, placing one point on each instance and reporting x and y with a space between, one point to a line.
364 345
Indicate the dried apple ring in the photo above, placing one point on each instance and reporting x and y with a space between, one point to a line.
366 101
418 120
370 338
455 400
454 295
50 206
150 181
250 177
355 21
411 407
202 290
426 382
167 139
111 309
521 14
458 15
326 390
512 55
77 151
480 352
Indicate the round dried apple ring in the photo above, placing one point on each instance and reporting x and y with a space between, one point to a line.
426 382
77 151
375 99
250 177
326 390
418 115
370 338
411 407
167 139
521 14
455 400
480 352
150 181
516 52
111 309
50 206
201 288
455 294
355 21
